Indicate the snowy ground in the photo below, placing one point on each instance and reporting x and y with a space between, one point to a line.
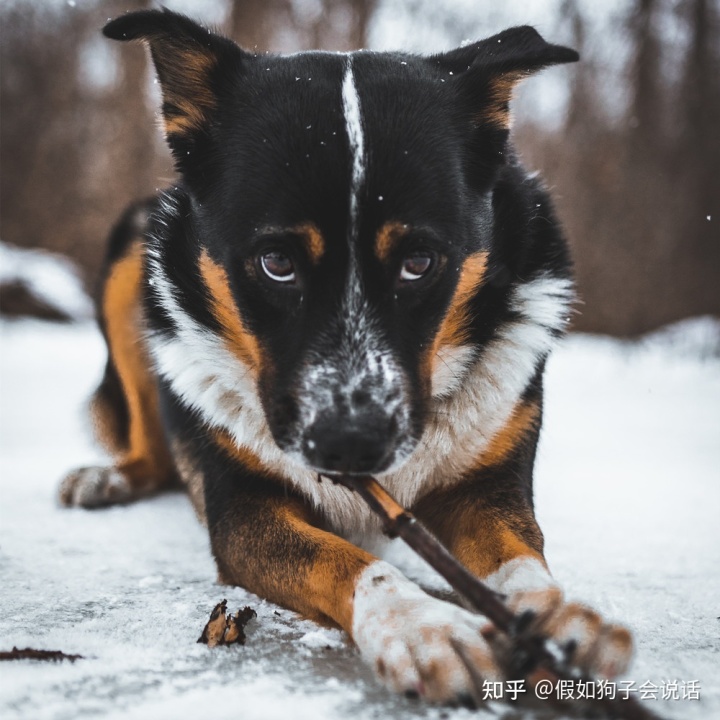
628 494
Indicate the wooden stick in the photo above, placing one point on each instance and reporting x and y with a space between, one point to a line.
32 654
533 657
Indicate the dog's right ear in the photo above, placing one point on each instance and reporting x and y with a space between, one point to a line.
190 61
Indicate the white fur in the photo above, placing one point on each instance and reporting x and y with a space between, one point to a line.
452 362
95 486
355 309
467 420
602 649
215 383
412 636
353 126
522 574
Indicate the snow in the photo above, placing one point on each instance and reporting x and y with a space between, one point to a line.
51 277
627 495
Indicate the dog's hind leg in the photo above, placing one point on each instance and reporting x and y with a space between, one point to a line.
125 407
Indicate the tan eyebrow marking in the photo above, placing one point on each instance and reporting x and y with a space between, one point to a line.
313 238
454 328
308 232
386 238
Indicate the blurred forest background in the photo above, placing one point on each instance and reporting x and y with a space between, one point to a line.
629 139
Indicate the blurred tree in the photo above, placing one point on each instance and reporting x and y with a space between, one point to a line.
73 153
284 25
635 189
697 152
40 137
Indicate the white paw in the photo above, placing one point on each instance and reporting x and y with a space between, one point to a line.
417 644
94 487
600 648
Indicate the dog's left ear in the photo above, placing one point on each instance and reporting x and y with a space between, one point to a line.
484 75
488 71
190 61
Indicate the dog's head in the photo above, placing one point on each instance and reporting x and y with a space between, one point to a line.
341 216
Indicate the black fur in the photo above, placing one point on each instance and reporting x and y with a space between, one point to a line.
263 145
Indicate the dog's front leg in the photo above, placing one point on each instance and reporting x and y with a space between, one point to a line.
489 525
270 543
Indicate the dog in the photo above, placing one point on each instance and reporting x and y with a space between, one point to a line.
354 274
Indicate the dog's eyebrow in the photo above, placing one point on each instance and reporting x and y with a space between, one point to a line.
387 236
308 231
392 232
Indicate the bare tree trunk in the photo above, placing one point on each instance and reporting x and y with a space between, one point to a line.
698 152
646 106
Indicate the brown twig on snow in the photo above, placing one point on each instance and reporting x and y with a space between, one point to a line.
32 654
532 657
226 629
235 631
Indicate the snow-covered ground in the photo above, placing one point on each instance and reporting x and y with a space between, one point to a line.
52 278
628 495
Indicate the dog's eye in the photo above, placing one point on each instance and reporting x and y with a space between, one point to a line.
415 266
278 267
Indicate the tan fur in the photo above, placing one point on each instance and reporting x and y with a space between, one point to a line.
484 530
387 237
107 424
238 338
192 477
189 92
497 111
524 418
317 579
145 462
313 239
454 327
242 455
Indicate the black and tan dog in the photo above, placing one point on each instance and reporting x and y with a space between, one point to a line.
354 275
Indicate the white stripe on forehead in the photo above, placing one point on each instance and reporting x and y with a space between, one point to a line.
353 125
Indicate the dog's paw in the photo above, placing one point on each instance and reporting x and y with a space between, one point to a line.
600 648
419 645
597 647
92 487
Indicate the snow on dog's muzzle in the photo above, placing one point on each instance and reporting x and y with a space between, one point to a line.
354 416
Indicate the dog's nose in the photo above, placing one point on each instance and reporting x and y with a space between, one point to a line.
360 444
